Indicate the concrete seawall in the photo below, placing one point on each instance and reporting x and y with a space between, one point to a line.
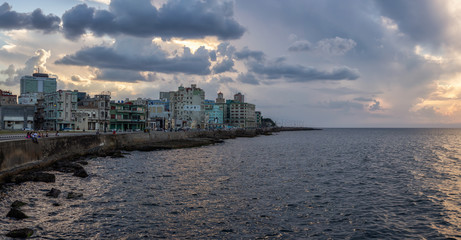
20 155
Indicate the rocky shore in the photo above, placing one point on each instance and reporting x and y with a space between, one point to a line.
75 166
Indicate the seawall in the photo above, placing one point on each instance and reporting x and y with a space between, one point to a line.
20 155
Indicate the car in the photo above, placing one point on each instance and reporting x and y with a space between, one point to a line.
27 129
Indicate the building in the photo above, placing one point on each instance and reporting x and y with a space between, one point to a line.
126 116
60 110
94 113
239 98
259 119
214 117
7 98
187 107
158 113
16 117
35 87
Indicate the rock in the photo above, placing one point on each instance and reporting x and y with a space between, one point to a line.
67 167
18 204
35 177
20 233
16 214
56 204
53 193
117 154
82 162
81 173
73 195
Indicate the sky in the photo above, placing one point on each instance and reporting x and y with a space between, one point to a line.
329 63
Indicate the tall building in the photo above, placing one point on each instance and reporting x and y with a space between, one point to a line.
60 110
7 98
35 87
187 106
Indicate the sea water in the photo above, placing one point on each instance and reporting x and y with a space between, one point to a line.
328 184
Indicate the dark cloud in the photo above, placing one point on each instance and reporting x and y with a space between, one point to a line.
225 49
34 21
11 80
176 18
246 53
363 99
248 78
424 21
156 61
298 73
213 56
119 75
225 65
343 105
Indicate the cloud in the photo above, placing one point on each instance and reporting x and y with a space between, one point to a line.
225 49
36 20
225 65
336 46
332 46
376 106
246 53
33 63
153 59
298 73
424 21
301 45
222 79
248 78
119 75
176 18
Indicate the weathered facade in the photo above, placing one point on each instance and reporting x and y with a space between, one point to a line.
126 116
60 109
187 106
16 117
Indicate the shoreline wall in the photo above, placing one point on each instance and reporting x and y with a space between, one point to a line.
20 155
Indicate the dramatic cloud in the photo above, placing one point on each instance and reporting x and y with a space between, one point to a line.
119 75
224 66
36 20
424 21
155 61
246 53
248 78
36 62
297 73
176 18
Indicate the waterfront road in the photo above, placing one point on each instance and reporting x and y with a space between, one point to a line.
17 136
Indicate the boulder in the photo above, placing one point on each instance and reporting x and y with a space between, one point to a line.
35 177
53 193
67 167
18 204
73 195
81 173
16 214
20 233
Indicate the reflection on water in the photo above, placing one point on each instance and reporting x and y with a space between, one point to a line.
335 183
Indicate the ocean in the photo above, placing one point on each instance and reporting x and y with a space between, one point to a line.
328 184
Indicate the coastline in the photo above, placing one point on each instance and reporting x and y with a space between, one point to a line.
20 156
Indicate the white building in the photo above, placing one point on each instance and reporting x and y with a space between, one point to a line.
187 107
60 109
